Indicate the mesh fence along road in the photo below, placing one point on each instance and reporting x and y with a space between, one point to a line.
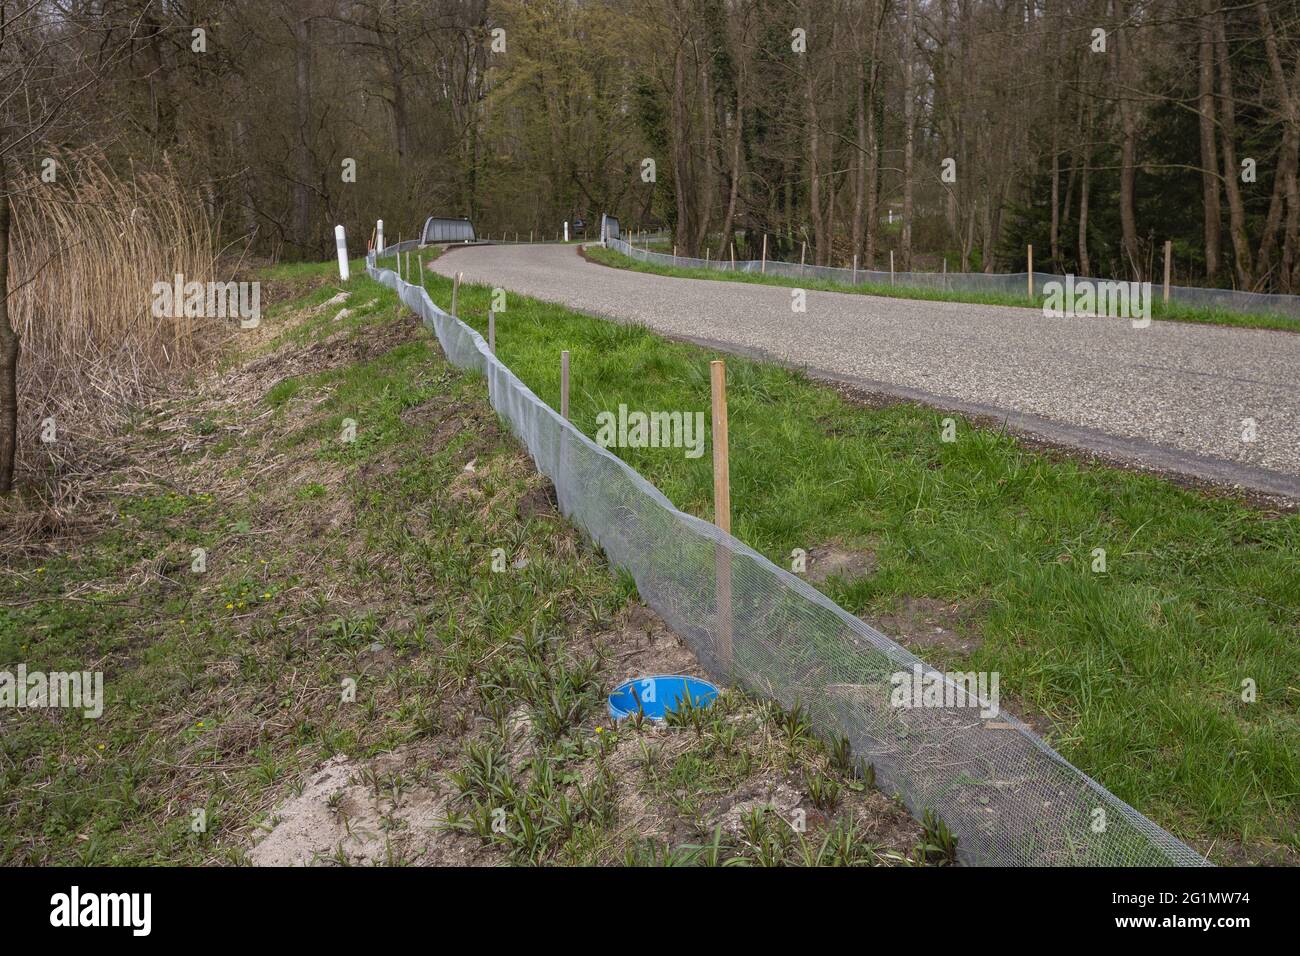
1008 797
1010 283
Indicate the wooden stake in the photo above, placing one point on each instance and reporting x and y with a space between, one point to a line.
764 253
455 294
1169 260
733 256
721 510
803 251
420 260
721 468
891 266
674 250
1030 280
564 383
855 268
492 332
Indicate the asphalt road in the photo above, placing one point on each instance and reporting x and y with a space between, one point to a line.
1172 396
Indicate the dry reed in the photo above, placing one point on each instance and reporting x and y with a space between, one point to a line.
85 254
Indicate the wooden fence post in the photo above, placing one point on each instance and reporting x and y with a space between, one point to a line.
455 294
764 253
1169 260
721 510
492 331
733 255
891 266
855 268
803 251
1030 280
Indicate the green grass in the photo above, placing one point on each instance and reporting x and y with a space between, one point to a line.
223 687
1159 310
1138 669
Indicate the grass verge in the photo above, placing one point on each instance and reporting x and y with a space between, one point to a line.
1166 672
1172 312
288 575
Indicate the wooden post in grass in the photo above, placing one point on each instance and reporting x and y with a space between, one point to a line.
945 272
733 255
855 268
420 260
492 331
765 253
455 294
721 510
1169 260
674 250
1030 280
803 251
564 384
891 266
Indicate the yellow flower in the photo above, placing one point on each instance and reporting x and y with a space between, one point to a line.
230 607
101 746
267 594
40 570
600 730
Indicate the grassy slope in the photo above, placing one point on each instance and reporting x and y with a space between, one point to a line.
369 561
1138 671
1172 312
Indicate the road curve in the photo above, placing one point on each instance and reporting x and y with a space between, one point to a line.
1173 396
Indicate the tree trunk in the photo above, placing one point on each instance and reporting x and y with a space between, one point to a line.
1228 131
1289 273
1209 153
304 177
1128 148
9 346
860 163
909 112
1085 266
820 250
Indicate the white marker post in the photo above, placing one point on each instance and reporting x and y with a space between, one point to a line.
765 253
341 241
492 331
379 233
566 230
455 294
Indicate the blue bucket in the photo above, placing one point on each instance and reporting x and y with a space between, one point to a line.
659 696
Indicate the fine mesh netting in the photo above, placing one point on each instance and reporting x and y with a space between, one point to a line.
1008 797
1013 283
